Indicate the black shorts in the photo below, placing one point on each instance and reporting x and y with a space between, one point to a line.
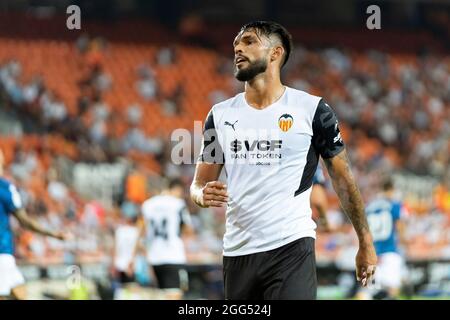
169 276
287 273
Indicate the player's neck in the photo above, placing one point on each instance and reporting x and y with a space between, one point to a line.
263 90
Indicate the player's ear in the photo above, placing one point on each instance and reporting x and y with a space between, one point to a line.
277 53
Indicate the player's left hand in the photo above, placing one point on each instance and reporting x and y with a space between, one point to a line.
324 226
63 236
366 262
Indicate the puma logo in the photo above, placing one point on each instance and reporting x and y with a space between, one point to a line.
231 125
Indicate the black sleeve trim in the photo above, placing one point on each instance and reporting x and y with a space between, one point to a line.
211 150
312 160
326 135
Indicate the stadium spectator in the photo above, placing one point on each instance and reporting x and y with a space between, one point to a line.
146 85
166 56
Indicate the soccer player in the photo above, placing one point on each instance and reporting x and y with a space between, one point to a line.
12 282
165 220
384 215
125 239
269 139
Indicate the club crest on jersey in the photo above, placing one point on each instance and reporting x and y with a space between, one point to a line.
285 122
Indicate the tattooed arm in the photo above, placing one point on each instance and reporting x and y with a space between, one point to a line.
345 186
328 143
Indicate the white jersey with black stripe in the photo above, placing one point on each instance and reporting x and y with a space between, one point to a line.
270 156
164 216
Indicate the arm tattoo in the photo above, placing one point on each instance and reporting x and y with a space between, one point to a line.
347 191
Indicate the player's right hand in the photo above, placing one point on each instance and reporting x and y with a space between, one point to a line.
113 271
63 236
130 269
214 194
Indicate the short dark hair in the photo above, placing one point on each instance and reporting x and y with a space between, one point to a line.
176 182
269 28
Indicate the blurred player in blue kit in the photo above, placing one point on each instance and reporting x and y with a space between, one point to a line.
12 282
384 215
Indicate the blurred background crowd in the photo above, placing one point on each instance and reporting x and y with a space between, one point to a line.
86 117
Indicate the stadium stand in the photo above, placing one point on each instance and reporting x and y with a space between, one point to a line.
101 100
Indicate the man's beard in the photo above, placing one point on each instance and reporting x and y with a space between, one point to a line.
254 68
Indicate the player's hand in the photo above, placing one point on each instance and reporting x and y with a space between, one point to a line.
130 269
63 236
323 225
113 271
214 194
325 229
366 262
